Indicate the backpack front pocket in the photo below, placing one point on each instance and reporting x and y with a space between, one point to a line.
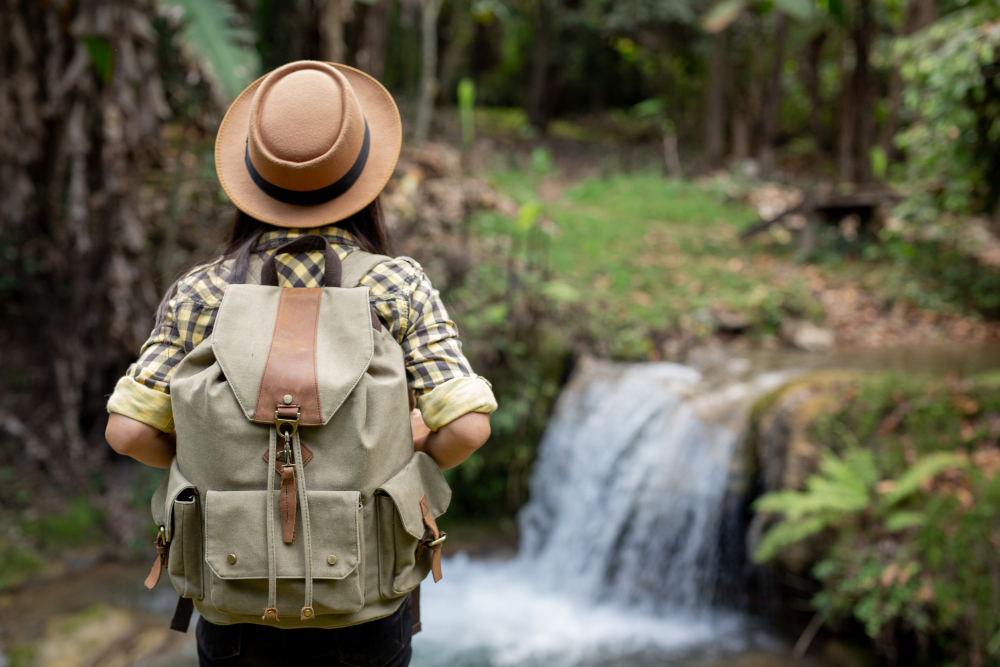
182 529
401 523
237 553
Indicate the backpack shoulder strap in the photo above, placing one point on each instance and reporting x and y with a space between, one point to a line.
357 265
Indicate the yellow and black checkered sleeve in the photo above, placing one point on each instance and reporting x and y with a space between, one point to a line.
144 392
437 370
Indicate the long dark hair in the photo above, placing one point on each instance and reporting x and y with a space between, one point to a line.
367 226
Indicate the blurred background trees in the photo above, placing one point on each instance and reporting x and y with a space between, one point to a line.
100 99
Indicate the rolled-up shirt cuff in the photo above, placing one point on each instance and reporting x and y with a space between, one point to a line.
141 403
456 397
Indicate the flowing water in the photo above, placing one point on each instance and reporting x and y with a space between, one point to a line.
620 542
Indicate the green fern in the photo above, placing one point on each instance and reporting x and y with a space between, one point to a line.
210 34
841 487
924 469
786 534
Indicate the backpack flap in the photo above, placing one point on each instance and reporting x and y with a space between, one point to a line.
258 324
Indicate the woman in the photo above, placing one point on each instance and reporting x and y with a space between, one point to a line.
306 150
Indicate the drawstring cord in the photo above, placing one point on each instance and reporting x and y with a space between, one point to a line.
271 610
307 609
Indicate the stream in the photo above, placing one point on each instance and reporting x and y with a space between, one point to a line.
623 542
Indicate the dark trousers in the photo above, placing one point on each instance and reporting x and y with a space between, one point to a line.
381 643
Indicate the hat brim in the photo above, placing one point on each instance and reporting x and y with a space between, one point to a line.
386 140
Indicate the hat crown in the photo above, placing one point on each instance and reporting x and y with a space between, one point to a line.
306 126
301 116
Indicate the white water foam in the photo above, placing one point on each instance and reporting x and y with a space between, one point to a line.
486 614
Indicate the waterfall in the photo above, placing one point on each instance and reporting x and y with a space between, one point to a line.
620 538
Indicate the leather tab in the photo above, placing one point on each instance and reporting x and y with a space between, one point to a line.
435 534
291 361
288 504
182 614
415 609
162 550
154 574
307 614
307 456
271 614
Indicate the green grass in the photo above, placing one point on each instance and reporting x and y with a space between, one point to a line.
640 254
641 249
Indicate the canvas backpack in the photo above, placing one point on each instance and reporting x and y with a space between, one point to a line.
296 498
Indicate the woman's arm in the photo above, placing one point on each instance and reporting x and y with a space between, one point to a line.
140 441
454 442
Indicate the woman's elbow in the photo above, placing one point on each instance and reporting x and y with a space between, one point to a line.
116 436
474 429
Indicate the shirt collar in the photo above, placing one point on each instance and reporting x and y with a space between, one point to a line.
276 237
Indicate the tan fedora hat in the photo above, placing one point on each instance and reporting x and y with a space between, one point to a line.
308 145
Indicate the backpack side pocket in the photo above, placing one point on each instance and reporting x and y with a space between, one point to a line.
184 531
401 524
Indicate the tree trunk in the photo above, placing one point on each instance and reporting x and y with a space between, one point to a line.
715 135
741 134
461 30
864 92
772 99
429 11
845 126
812 89
79 123
538 109
334 17
371 56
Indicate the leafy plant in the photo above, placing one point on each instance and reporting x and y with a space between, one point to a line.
212 35
906 497
952 142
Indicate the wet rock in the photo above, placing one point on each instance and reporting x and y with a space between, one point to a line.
807 336
785 454
731 321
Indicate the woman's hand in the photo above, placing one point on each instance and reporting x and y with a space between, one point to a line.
454 442
140 441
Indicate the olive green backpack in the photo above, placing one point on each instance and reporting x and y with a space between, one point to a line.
296 499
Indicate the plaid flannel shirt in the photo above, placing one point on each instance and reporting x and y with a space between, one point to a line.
402 295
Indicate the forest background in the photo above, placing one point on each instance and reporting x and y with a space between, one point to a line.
547 140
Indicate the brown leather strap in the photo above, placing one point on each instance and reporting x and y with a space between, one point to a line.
182 614
291 362
434 535
415 609
331 273
288 504
162 551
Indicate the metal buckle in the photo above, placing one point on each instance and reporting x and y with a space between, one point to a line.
294 423
439 541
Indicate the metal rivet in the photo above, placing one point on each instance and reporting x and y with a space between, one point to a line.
308 612
270 614
231 558
287 399
331 559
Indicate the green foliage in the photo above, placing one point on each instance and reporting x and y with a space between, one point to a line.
952 143
81 523
467 110
17 561
907 497
102 56
212 35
